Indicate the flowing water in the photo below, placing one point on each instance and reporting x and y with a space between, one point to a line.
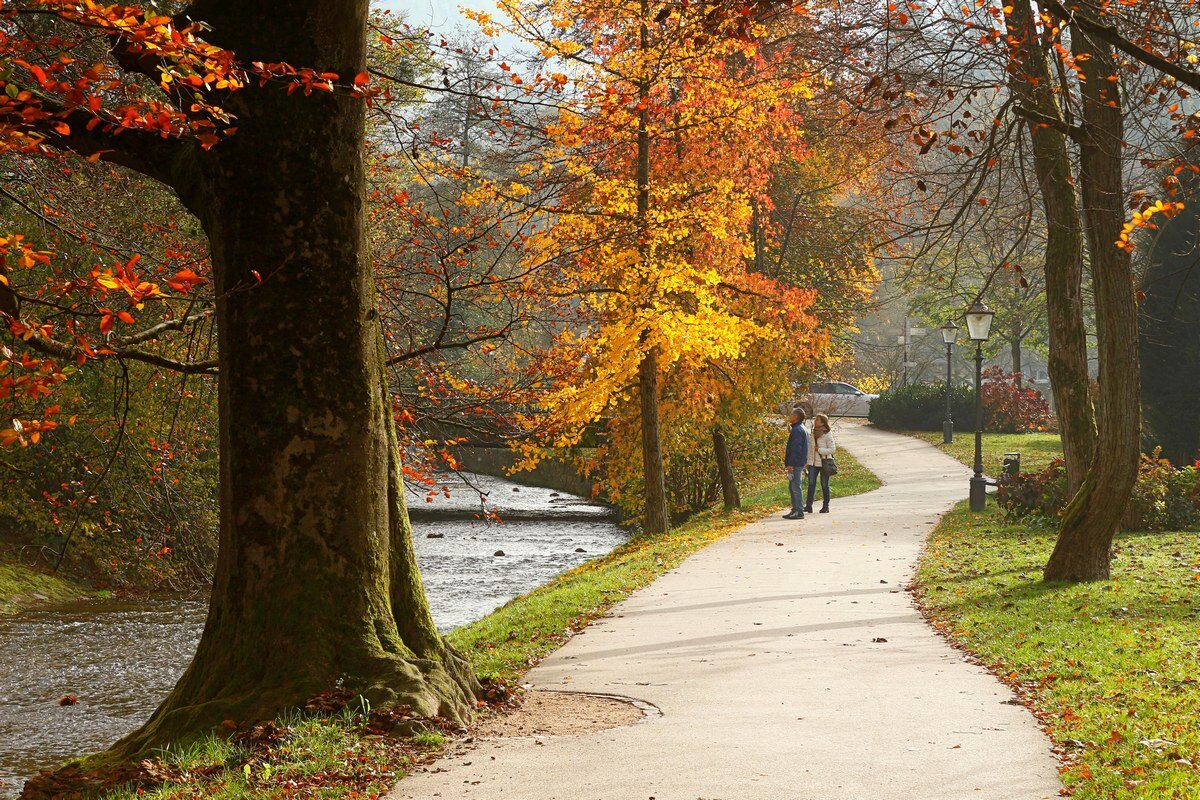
121 657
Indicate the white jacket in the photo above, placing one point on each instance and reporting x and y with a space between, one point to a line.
823 447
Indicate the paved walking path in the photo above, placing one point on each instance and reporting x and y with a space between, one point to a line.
765 653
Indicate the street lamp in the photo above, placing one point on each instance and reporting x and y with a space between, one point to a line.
979 325
949 334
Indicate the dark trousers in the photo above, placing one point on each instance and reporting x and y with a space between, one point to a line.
813 472
796 487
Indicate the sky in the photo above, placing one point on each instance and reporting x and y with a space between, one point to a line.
443 16
439 15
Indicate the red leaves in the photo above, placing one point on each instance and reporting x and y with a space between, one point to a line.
185 280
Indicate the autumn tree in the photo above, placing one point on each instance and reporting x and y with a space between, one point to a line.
315 584
1038 92
672 130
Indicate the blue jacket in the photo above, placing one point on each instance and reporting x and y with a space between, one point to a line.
797 447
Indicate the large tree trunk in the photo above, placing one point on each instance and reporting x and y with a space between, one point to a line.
1083 549
316 584
1032 84
729 491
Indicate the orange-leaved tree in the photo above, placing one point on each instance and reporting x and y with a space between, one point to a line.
671 130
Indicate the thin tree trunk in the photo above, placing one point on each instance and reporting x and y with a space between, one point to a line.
729 490
655 518
1032 84
1014 346
316 585
1083 549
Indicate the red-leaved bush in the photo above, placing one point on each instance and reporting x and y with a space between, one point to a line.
1011 408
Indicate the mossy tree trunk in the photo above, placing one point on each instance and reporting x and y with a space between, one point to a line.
1083 549
1031 83
316 584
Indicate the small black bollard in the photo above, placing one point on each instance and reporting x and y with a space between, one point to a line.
1012 463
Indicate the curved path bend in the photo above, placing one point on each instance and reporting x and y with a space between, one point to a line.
766 654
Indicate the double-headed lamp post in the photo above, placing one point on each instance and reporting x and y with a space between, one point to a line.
949 334
979 325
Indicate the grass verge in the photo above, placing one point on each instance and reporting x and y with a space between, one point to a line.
1109 668
329 757
1037 449
510 640
340 756
22 586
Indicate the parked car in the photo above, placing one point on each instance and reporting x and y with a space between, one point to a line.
839 400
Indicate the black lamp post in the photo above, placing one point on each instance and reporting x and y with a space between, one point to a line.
979 325
949 334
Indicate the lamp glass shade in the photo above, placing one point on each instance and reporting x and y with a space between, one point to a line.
979 322
949 332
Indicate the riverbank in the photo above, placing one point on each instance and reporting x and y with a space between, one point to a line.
1108 667
22 586
337 755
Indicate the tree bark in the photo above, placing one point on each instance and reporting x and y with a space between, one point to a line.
655 518
1031 82
316 585
1014 347
1083 549
729 490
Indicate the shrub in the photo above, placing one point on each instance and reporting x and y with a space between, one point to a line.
1183 500
922 407
1009 407
1147 506
1041 494
1163 499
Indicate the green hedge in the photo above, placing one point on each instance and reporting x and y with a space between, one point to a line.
922 407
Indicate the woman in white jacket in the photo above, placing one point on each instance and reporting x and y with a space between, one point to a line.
820 447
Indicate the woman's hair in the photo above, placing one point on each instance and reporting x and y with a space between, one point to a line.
824 420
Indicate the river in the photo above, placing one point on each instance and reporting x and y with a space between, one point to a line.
121 657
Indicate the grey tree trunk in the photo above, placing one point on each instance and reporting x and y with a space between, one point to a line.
1014 346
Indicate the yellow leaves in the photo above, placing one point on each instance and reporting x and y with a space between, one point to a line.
1141 219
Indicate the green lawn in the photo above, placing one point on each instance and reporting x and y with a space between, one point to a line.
1110 668
1037 449
328 757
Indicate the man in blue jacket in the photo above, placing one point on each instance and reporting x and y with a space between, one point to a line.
794 460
